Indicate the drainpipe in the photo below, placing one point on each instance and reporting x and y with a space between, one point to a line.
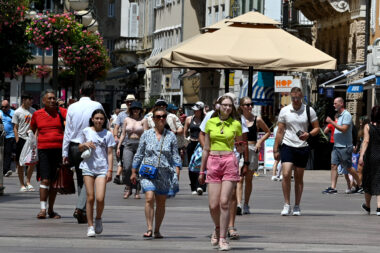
367 27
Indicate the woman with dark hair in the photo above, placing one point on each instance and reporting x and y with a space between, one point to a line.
133 128
49 123
158 148
370 160
96 166
223 131
254 123
192 129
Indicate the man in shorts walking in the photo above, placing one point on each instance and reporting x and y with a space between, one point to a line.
21 122
342 151
292 135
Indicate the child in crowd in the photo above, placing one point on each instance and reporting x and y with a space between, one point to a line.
96 167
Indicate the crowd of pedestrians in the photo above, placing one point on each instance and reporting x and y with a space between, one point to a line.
221 146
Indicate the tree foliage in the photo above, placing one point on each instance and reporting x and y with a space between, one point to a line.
14 48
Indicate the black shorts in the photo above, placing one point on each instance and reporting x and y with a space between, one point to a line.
49 161
297 156
19 145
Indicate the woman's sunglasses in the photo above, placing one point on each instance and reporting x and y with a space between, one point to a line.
247 105
160 116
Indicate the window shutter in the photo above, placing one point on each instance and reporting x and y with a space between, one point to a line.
133 20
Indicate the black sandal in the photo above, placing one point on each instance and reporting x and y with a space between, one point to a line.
157 235
148 234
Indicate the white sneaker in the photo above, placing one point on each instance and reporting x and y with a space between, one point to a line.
194 193
98 226
199 191
246 209
8 174
280 178
91 231
287 210
274 178
296 211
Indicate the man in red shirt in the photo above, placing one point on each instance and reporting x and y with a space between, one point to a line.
49 122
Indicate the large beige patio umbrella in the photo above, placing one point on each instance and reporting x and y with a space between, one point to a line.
250 41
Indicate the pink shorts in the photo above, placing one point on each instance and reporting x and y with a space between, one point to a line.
222 168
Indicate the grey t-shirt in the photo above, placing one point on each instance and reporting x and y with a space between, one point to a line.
343 139
119 121
22 118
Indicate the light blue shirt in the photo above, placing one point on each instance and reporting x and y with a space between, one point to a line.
343 139
7 122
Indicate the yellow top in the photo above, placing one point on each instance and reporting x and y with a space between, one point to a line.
223 133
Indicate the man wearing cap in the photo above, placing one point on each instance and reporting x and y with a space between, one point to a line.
117 131
77 118
176 127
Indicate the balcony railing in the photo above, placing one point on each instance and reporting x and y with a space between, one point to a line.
128 44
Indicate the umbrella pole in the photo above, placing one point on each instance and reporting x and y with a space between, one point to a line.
250 81
226 80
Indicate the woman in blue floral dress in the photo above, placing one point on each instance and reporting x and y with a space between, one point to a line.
157 145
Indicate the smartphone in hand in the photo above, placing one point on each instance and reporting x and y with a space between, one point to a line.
299 133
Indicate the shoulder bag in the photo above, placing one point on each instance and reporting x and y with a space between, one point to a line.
318 139
149 171
64 181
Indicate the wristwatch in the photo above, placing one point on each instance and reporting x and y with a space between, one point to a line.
247 162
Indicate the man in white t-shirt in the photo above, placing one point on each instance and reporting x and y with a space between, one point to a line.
21 122
292 135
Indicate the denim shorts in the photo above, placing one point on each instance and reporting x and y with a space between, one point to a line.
93 173
342 156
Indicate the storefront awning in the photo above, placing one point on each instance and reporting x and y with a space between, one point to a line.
333 81
364 80
260 95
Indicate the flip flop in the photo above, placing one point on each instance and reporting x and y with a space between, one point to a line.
30 188
148 234
137 196
54 215
41 215
157 235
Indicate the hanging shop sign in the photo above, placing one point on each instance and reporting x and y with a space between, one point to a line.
285 83
329 92
355 88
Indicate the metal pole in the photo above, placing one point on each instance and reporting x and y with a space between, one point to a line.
250 81
226 80
55 67
1 158
367 27
43 78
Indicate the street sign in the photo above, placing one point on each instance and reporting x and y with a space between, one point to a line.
329 92
285 83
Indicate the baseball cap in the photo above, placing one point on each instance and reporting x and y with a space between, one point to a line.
171 107
161 102
123 107
198 106
130 97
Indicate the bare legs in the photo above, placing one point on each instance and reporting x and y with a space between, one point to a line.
248 188
219 201
368 197
334 175
47 194
286 182
150 198
100 187
29 173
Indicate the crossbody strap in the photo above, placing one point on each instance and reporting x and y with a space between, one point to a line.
61 117
162 143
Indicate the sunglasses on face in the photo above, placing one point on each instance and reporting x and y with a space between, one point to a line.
5 107
160 116
247 105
